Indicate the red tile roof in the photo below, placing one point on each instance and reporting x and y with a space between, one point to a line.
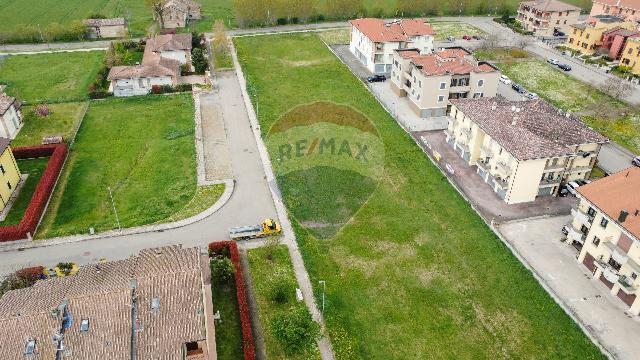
449 61
6 102
550 5
377 30
615 193
627 4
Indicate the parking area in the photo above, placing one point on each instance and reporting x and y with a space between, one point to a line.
490 206
603 314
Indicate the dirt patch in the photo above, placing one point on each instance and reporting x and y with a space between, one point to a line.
300 63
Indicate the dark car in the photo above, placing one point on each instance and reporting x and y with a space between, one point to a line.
466 37
519 88
376 78
558 33
636 161
476 37
565 67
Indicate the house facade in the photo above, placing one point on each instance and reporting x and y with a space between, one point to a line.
430 81
180 13
614 41
9 172
606 229
589 37
631 55
626 9
543 17
522 149
10 116
106 28
373 41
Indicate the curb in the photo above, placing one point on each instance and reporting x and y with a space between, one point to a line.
27 244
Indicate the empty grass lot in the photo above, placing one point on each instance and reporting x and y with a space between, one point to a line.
455 29
54 77
141 147
621 123
415 273
35 168
64 118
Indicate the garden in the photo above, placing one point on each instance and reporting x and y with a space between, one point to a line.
58 120
34 168
414 272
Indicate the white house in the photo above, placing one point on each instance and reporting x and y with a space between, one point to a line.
373 41
140 79
171 46
10 116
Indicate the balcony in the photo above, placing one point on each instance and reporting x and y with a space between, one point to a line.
502 169
580 169
503 183
553 168
546 182
576 236
448 133
627 284
483 166
465 133
582 217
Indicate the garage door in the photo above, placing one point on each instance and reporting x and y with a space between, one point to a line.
589 262
627 298
608 283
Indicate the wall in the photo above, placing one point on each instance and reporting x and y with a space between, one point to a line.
113 31
525 181
131 87
362 48
11 123
490 86
11 176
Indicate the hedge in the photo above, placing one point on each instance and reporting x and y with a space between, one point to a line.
243 305
38 203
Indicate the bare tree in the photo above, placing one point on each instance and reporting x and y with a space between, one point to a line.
617 88
491 41
157 7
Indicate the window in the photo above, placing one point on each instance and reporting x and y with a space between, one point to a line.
30 348
420 83
443 85
480 83
591 211
596 241
2 169
440 98
565 22
155 303
477 95
584 229
614 264
604 222
418 97
557 22
9 185
84 325
634 275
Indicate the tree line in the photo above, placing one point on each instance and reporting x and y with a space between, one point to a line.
272 12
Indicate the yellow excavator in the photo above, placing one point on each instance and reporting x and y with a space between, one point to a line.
269 227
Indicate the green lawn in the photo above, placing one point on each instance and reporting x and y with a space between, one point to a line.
455 29
35 168
414 273
54 77
267 267
610 116
229 330
141 147
63 120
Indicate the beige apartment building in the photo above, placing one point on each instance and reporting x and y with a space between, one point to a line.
429 81
522 149
544 16
606 229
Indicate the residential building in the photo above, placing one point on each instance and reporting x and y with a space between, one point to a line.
429 81
627 9
10 116
543 17
180 13
522 149
373 41
161 66
9 173
149 306
106 28
631 55
615 40
606 229
588 37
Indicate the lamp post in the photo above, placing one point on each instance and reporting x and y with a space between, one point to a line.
324 288
113 204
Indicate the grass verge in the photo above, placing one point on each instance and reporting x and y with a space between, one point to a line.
415 272
203 199
35 168
63 120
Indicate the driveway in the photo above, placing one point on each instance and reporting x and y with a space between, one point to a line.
603 314
489 205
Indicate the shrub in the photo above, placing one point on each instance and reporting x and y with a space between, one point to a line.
65 267
222 268
295 329
96 16
31 274
183 88
41 110
281 288
198 60
281 21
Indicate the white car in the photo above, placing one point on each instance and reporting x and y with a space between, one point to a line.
572 186
532 96
553 61
505 80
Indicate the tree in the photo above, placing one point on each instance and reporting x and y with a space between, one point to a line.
295 329
222 269
343 8
198 61
157 7
617 88
490 41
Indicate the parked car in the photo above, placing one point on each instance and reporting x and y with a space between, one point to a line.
476 37
451 38
505 79
565 229
572 187
563 192
582 182
566 53
532 96
519 88
466 37
553 61
558 33
565 67
636 161
376 78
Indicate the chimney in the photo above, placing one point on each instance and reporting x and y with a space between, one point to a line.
494 106
637 212
623 216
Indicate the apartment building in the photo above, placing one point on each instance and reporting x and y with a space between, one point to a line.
588 37
149 306
627 9
10 175
631 55
522 149
614 41
543 17
374 40
606 229
429 81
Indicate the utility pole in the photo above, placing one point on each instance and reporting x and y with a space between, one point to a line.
324 289
113 204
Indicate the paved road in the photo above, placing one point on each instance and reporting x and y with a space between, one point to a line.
250 203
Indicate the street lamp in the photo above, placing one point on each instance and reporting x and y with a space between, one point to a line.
324 289
113 204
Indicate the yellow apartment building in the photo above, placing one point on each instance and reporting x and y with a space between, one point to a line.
9 172
606 229
631 55
587 37
522 149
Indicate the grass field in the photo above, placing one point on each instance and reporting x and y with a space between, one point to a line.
457 30
621 123
264 271
229 330
54 77
414 273
35 168
141 147
63 120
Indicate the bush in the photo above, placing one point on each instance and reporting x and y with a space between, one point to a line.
281 21
295 329
198 60
281 289
65 267
41 110
183 88
222 268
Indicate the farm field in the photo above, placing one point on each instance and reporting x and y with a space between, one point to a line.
62 120
141 147
57 77
411 270
35 168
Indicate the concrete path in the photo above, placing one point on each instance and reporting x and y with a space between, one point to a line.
214 132
614 158
20 48
602 314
